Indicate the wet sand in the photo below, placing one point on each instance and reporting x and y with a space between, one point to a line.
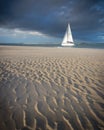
51 88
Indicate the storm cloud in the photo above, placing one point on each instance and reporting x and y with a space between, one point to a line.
50 17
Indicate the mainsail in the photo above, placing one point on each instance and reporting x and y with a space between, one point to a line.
68 39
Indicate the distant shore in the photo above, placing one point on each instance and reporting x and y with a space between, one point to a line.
51 88
77 45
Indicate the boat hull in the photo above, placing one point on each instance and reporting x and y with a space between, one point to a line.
71 44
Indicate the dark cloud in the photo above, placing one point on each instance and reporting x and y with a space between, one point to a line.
52 16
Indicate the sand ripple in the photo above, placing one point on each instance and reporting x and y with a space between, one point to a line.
42 90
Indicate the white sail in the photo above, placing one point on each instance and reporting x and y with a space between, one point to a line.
65 38
68 39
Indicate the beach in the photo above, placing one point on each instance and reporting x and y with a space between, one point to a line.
51 88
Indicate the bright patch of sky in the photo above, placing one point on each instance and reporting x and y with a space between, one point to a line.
22 36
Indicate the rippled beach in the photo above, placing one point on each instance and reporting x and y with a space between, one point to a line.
45 88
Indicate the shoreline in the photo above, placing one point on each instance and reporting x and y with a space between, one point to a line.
82 45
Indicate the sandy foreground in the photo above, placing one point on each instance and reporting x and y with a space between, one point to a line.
51 88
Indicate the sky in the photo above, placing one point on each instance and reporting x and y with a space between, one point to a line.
41 21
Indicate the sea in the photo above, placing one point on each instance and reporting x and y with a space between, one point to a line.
77 45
